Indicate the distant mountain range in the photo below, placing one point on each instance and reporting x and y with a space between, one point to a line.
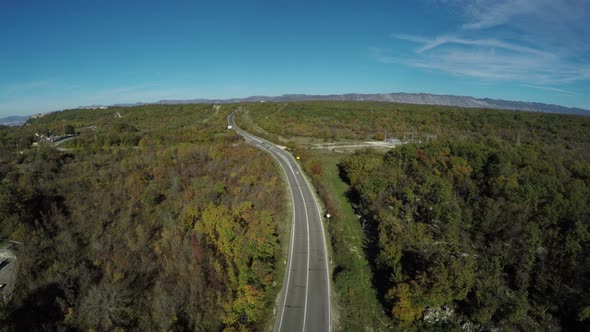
406 98
14 120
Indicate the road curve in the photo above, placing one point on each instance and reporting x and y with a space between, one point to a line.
304 302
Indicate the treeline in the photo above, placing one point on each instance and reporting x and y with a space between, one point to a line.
477 234
330 121
156 220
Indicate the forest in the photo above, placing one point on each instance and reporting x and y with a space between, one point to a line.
153 218
485 227
481 233
344 121
158 217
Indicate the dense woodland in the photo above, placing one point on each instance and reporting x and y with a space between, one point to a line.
154 218
338 121
486 227
499 234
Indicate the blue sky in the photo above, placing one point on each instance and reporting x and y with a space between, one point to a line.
60 54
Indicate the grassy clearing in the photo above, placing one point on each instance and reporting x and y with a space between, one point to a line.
358 305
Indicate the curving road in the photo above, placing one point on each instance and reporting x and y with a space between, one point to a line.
304 303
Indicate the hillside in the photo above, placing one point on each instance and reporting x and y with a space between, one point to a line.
13 120
405 98
153 218
480 221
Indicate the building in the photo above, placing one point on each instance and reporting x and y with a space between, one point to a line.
8 268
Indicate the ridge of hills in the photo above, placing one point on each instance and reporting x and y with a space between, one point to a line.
406 98
398 97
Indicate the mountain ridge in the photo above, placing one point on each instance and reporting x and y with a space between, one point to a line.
394 97
13 120
398 97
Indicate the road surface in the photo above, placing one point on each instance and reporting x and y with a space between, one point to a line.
304 302
63 140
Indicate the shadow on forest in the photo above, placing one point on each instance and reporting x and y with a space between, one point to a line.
40 310
380 278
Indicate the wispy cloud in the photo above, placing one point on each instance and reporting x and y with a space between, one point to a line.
429 44
491 43
489 59
412 38
548 88
486 14
535 42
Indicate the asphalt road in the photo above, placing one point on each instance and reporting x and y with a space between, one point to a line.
304 303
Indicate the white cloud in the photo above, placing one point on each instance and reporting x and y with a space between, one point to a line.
489 59
485 14
412 38
536 42
548 88
491 43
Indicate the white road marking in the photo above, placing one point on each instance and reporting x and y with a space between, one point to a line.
325 256
308 251
290 251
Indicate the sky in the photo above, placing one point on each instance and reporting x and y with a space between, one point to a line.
62 54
